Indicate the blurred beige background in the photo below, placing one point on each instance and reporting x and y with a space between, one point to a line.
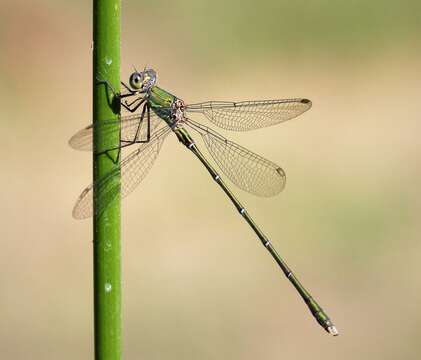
197 284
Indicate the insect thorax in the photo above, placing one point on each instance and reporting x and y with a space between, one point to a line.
166 106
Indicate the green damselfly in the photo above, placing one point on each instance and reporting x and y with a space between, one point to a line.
162 113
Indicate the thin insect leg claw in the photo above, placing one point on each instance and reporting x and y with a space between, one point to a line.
113 99
102 80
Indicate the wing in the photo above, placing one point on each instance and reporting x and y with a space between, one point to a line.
244 168
133 127
250 115
133 169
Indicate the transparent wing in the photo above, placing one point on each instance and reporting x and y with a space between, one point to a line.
133 169
133 127
244 168
250 115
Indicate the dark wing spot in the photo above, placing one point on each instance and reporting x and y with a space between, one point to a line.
280 171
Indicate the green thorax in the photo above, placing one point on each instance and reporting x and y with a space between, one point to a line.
160 102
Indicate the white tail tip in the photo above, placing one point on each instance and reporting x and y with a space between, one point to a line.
332 330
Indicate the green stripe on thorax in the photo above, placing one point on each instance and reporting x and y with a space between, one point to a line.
160 101
160 98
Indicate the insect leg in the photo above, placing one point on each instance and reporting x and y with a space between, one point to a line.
140 124
128 107
148 135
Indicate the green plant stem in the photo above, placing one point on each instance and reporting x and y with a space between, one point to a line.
107 253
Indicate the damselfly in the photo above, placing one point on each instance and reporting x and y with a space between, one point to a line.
162 113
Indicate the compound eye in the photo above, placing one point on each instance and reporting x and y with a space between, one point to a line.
136 80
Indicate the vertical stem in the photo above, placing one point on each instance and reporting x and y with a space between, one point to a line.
107 257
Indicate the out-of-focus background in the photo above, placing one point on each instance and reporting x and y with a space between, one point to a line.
197 283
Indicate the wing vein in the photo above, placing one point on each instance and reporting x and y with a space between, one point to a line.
250 115
246 169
